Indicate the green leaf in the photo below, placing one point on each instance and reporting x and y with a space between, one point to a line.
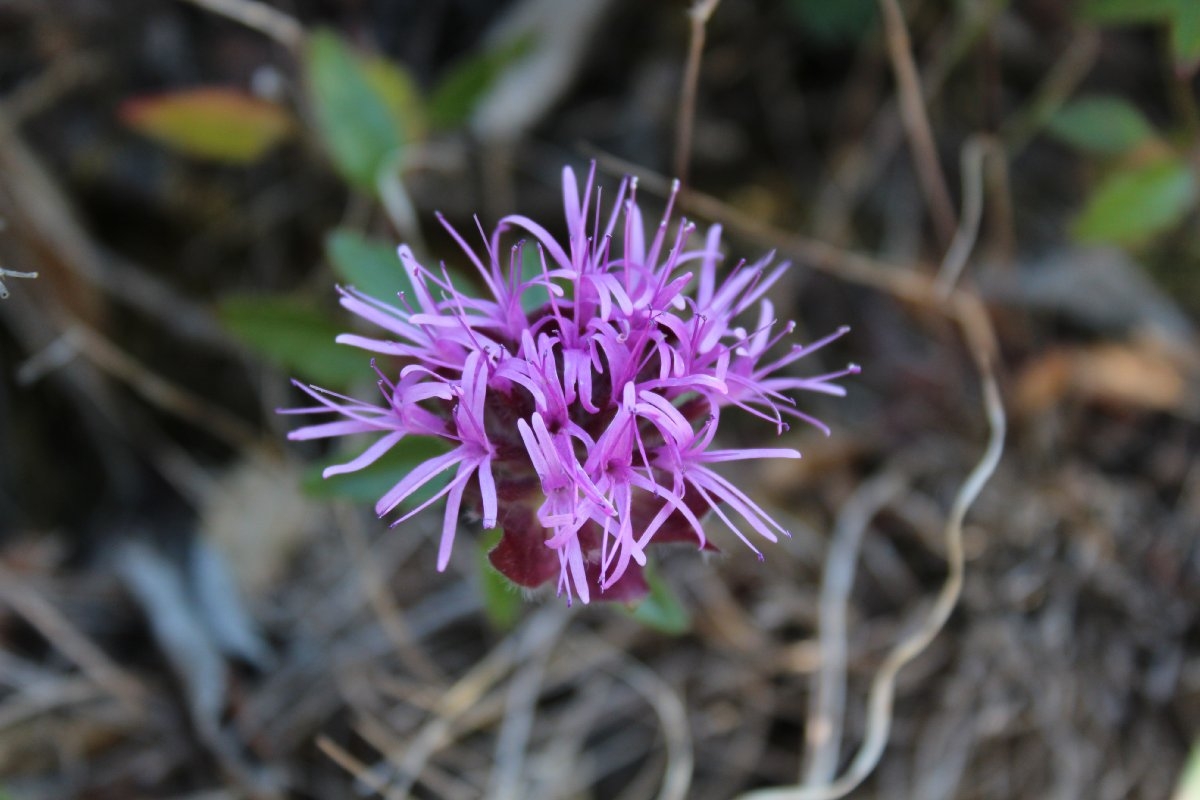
1101 124
370 483
834 22
457 94
400 92
295 336
1134 204
356 112
1189 782
1182 15
1130 11
214 123
369 265
1185 36
661 609
502 600
534 297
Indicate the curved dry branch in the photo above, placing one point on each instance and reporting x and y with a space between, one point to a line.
263 18
913 115
969 313
672 714
823 729
883 687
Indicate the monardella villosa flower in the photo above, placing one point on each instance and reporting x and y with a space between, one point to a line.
583 428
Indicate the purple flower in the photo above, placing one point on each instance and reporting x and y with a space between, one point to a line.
582 427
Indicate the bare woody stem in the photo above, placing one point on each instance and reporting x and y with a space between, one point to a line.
699 15
263 18
916 123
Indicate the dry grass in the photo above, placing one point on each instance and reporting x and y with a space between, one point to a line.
944 623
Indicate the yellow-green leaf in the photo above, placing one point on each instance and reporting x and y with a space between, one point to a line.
215 123
400 92
356 111
1134 204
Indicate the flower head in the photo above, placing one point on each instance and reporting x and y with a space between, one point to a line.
583 427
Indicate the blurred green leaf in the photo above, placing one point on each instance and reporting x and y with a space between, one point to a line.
1130 11
400 92
502 600
356 108
661 608
833 22
1189 782
1185 36
531 267
372 482
457 94
369 265
1134 204
296 337
214 123
1182 15
1101 124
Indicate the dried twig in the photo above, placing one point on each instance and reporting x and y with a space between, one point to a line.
505 782
977 330
64 73
1071 68
968 311
378 733
157 390
468 691
46 696
671 712
860 164
698 15
823 731
48 223
916 122
263 18
907 284
361 772
973 154
24 599
366 570
8 273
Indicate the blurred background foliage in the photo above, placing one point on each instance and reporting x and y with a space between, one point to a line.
190 189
